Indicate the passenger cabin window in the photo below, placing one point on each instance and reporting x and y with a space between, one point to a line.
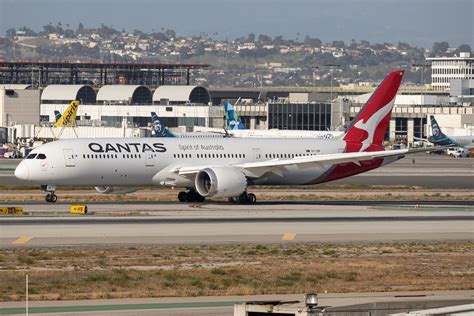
31 156
41 156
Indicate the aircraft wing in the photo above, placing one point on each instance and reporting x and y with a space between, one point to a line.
421 139
257 169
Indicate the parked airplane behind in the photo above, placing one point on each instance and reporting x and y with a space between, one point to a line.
273 133
232 119
158 129
235 128
439 138
161 130
57 115
218 167
69 116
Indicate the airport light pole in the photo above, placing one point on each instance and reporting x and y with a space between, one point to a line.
314 68
26 296
331 69
9 120
423 67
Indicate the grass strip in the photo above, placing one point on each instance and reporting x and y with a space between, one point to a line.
80 273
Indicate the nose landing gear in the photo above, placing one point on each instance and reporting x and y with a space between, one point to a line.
50 196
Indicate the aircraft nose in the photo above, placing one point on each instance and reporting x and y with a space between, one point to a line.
22 172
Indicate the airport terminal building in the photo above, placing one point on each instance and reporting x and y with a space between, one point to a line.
182 108
446 69
108 110
112 105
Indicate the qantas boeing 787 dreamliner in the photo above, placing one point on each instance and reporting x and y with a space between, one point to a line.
217 167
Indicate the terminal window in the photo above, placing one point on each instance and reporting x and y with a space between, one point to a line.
306 116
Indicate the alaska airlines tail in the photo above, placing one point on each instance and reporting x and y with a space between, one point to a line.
232 120
438 137
57 115
69 116
367 130
158 130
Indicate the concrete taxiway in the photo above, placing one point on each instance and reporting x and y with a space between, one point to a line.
421 169
215 224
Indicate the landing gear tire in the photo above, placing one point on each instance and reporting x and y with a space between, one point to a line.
246 198
234 199
50 190
182 196
251 198
190 197
51 198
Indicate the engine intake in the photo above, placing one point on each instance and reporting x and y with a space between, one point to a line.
220 182
115 190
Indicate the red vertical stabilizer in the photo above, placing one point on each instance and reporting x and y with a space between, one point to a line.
367 129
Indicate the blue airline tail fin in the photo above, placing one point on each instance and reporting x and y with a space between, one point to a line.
438 137
232 120
158 130
57 115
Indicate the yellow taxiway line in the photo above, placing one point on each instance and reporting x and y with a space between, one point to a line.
22 240
288 236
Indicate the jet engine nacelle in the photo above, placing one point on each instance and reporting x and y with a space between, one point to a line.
115 190
220 182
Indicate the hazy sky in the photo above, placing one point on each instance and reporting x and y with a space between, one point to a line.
419 22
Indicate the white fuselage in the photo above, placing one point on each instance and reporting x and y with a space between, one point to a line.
463 141
271 133
151 161
285 134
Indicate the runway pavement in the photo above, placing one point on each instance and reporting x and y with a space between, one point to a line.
420 169
266 222
223 305
209 224
434 171
225 206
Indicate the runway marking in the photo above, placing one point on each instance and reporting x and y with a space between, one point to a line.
22 240
288 236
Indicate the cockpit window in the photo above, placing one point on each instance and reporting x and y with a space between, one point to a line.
41 156
31 156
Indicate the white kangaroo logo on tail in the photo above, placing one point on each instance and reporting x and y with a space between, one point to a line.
372 124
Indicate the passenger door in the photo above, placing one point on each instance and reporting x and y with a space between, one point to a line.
149 159
257 154
69 158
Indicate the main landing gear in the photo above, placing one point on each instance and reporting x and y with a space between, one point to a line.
191 196
50 196
244 198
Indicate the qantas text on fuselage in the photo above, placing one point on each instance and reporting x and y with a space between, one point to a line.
126 147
